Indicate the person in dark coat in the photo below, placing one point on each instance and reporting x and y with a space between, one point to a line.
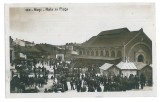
136 81
65 86
55 89
71 83
78 85
23 87
64 83
82 76
99 89
91 89
124 84
34 69
142 80
83 88
45 91
52 77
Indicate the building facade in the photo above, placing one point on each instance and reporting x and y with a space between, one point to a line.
116 45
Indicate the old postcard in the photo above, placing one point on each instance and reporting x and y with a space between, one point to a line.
80 50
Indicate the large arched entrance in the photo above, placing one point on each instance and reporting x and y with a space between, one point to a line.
140 58
140 53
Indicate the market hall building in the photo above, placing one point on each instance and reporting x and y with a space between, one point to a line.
114 46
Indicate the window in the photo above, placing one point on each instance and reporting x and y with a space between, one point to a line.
96 53
92 53
107 53
87 52
112 54
140 58
101 53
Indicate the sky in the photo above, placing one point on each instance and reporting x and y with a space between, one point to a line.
79 23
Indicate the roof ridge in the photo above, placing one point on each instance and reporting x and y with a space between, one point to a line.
113 31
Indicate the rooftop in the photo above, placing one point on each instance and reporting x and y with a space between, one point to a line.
106 66
115 37
126 65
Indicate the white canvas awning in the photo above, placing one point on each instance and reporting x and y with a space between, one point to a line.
127 65
106 66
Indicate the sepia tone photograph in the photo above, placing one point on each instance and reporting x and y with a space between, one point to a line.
80 50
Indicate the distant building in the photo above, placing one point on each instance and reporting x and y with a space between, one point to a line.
71 50
23 42
113 46
60 57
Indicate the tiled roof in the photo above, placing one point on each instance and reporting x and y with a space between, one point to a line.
114 31
115 37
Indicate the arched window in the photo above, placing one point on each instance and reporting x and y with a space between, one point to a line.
87 52
112 54
107 53
101 53
140 58
119 54
96 53
92 53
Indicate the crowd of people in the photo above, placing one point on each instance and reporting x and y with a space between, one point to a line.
24 82
88 81
28 79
